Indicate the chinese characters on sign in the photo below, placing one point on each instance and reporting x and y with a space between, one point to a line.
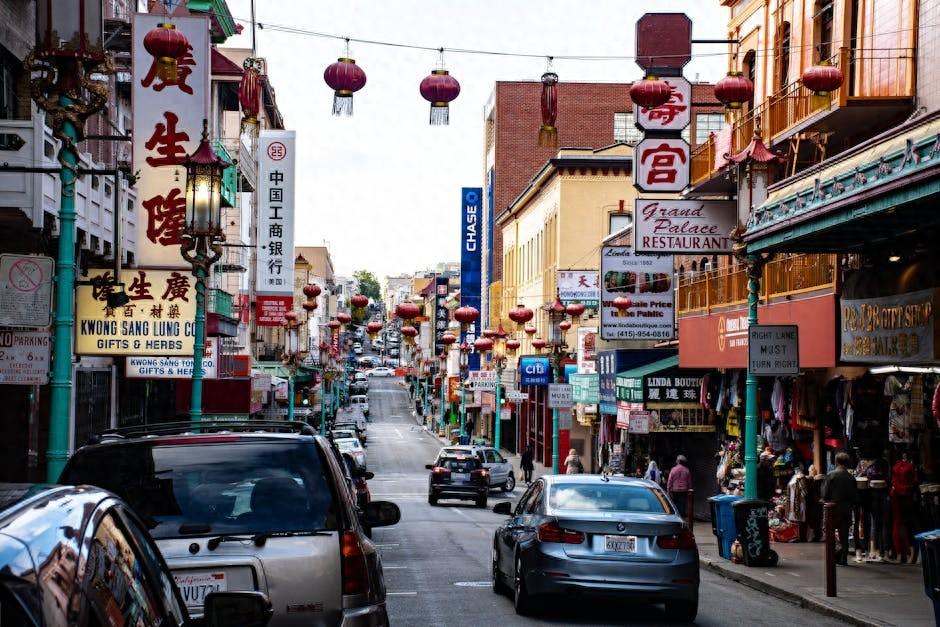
647 282
673 388
896 329
579 286
275 275
674 115
662 164
158 320
168 117
441 313
683 226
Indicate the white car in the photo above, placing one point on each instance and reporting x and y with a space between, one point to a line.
354 448
362 402
380 371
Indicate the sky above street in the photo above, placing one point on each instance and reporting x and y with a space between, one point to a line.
382 188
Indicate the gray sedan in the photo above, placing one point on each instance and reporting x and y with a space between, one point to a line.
592 534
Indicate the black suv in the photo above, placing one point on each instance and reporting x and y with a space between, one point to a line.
458 477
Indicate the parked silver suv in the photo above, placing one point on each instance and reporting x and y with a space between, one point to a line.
232 508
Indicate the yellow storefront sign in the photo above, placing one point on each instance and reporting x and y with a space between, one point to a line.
158 319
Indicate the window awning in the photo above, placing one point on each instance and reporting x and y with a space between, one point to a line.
630 382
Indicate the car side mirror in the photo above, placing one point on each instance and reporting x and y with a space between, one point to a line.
237 609
365 474
503 507
380 514
429 466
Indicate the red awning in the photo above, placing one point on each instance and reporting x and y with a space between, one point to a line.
223 66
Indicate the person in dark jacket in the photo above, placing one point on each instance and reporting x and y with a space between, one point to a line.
841 489
527 464
766 485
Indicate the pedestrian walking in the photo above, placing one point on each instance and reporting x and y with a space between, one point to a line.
679 484
527 464
573 463
841 488
653 473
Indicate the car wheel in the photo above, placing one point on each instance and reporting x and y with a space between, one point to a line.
681 611
481 502
432 500
522 601
510 484
499 586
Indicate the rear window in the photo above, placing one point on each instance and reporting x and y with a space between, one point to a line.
609 497
348 445
459 465
243 487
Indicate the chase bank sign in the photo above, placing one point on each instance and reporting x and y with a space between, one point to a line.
534 371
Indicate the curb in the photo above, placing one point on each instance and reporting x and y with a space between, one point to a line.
806 602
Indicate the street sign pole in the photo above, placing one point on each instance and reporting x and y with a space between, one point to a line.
498 432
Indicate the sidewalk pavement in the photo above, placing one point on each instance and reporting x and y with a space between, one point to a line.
868 594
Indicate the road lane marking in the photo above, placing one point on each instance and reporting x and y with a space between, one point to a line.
387 545
384 567
473 584
401 594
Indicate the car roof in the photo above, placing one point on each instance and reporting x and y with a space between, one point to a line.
588 479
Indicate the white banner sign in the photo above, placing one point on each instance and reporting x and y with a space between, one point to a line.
515 396
482 379
24 357
646 281
276 156
587 350
579 286
661 164
26 291
560 395
664 226
168 115
174 367
773 350
675 115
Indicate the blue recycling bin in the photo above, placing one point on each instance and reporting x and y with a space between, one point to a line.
723 522
929 544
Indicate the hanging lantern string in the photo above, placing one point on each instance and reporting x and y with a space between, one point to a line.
765 52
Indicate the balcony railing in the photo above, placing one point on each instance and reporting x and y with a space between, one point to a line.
870 75
229 176
727 287
220 302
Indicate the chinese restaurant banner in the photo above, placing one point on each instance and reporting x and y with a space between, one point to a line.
275 267
674 115
167 127
897 329
587 350
158 319
646 280
661 164
581 286
666 226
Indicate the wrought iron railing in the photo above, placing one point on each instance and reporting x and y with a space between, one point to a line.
220 302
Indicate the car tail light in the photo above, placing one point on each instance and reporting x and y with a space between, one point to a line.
685 539
551 532
441 471
482 473
353 564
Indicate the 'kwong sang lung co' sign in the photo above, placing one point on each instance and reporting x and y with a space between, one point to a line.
664 226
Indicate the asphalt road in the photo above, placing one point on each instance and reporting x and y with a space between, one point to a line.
437 559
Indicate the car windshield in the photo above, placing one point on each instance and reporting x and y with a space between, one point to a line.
227 488
349 444
609 497
343 434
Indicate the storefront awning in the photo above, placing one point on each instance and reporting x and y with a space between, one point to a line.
277 369
838 205
630 382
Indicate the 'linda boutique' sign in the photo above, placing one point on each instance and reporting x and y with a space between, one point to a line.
664 226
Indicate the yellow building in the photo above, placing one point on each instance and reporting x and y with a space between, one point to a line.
557 223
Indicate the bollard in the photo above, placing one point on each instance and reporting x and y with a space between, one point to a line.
688 508
829 514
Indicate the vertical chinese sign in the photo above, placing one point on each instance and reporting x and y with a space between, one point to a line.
274 281
441 313
470 261
168 115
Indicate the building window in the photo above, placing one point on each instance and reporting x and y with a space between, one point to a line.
822 30
618 222
624 128
706 123
782 54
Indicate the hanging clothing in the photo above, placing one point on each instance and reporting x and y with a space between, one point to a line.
903 479
797 491
735 398
775 435
778 400
733 423
917 401
899 411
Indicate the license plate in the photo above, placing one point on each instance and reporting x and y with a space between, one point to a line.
460 476
195 587
620 544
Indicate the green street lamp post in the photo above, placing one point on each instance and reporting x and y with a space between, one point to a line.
499 363
556 339
291 351
67 71
202 243
464 366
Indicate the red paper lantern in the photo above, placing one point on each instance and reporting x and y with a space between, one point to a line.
345 78
483 345
548 132
520 315
344 317
530 331
359 301
622 303
575 309
564 325
513 345
290 316
373 328
334 324
734 90
410 333
167 45
249 91
309 305
312 290
448 338
538 343
466 315
440 88
822 79
407 311
650 92
488 333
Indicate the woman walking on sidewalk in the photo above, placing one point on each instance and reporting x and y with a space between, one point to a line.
527 464
573 463
679 484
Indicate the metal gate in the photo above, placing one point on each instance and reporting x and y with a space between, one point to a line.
93 395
